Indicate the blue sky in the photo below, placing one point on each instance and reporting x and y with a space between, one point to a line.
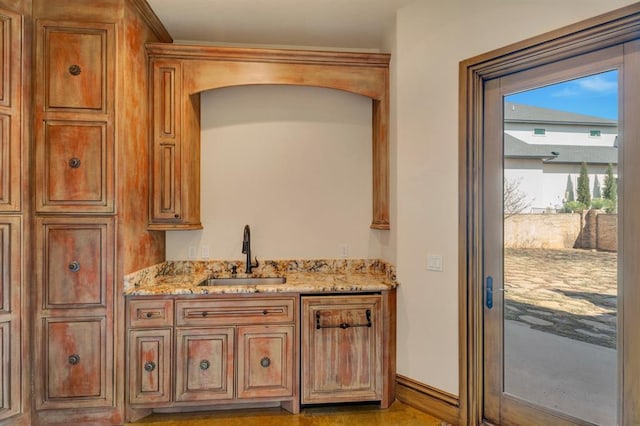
593 95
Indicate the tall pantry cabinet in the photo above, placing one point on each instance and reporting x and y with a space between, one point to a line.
14 210
90 174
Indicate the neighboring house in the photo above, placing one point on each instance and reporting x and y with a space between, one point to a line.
543 146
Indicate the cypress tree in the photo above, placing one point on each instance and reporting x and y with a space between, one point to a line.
596 188
584 193
568 192
610 190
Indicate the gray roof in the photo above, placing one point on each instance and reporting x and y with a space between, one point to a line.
519 113
516 148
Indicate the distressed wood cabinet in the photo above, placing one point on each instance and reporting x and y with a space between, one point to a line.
348 342
90 127
226 349
180 73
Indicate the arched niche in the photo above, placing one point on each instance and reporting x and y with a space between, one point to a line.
179 73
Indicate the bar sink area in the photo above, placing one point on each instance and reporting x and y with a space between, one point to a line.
214 281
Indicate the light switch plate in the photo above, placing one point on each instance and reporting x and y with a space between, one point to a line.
434 262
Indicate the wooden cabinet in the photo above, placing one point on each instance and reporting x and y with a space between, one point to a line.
11 278
344 357
227 349
175 165
204 363
74 301
74 134
90 126
265 361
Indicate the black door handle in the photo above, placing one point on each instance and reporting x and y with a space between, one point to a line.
489 292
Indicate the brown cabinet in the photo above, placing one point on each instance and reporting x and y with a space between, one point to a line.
227 349
342 349
175 177
74 135
150 366
204 363
265 361
74 300
11 364
89 126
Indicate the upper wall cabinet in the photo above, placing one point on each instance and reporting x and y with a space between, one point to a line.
11 160
180 73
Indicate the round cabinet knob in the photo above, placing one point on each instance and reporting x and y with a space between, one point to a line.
204 365
75 70
149 315
265 362
74 163
74 266
74 359
149 366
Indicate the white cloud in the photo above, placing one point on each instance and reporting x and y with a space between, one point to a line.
598 84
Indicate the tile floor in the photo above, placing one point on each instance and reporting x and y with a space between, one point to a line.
398 414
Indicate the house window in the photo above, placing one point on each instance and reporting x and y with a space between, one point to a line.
595 133
539 132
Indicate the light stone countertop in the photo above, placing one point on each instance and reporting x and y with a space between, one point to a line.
317 276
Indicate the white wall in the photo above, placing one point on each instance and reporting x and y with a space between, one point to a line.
292 162
432 38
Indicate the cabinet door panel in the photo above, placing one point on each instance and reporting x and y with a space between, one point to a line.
75 363
76 160
265 361
204 364
341 349
150 369
76 65
77 262
11 144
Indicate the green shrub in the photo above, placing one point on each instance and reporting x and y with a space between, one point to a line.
574 206
597 203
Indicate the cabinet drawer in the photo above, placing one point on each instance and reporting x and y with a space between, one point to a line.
77 64
150 313
235 311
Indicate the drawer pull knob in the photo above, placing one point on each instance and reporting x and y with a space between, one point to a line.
177 216
74 266
344 325
74 163
204 313
75 70
265 362
74 359
204 365
265 312
149 315
149 366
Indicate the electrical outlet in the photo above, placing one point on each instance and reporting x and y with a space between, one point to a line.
192 253
204 251
434 262
344 250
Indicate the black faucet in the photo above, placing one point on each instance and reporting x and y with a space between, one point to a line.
246 249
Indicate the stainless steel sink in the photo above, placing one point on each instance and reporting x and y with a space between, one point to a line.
244 281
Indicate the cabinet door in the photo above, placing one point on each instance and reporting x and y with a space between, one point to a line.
11 159
75 371
204 364
74 162
341 349
265 361
166 188
10 290
150 367
76 66
76 263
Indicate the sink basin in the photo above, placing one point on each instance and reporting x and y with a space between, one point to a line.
244 281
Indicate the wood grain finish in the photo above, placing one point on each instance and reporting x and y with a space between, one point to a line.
150 367
205 364
91 126
11 134
341 349
206 68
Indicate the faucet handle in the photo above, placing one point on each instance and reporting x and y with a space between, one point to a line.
234 269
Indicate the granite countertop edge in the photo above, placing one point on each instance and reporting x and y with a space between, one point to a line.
167 279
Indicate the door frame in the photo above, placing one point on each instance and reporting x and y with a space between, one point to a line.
610 29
